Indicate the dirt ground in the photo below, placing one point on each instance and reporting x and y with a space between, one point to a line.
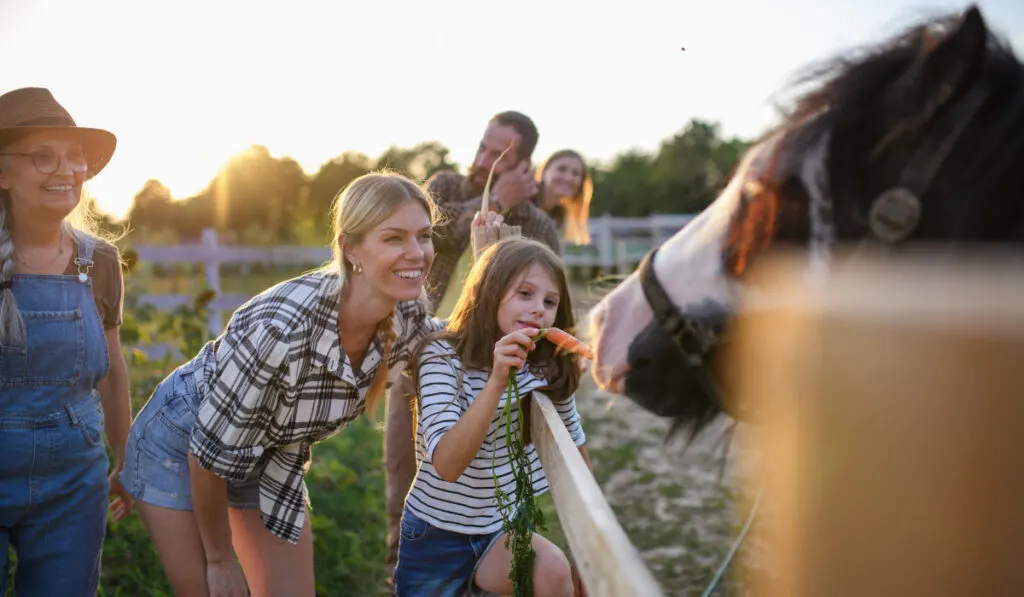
681 505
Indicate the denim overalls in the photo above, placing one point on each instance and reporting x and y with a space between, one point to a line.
53 464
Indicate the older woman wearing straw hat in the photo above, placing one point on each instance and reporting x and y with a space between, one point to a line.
63 379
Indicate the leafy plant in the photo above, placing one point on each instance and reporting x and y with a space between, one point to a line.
520 514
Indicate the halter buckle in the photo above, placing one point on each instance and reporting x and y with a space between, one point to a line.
894 214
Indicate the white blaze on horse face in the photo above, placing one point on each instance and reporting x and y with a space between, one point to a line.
814 175
688 266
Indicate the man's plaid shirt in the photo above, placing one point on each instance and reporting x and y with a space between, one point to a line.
458 202
277 382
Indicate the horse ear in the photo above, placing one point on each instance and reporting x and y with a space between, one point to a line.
947 63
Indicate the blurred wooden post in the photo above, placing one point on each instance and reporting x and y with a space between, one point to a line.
893 402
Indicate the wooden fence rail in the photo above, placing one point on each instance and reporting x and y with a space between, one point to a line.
609 564
618 244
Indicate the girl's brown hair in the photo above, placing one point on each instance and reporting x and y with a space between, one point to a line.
473 329
572 213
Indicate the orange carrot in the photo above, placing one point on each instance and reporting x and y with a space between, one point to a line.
567 341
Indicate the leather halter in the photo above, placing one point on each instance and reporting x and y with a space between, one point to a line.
695 338
896 212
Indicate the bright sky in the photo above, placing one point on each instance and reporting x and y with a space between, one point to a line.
185 84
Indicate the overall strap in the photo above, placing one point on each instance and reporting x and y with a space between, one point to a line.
84 262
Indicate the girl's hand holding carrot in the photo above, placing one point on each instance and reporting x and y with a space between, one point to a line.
510 353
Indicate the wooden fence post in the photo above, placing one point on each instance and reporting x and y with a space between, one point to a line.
891 400
211 268
623 263
605 241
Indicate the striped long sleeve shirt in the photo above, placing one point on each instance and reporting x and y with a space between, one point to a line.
469 505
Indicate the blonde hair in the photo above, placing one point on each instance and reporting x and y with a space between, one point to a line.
574 211
359 208
83 221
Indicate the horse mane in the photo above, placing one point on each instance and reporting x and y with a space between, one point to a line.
839 85
834 95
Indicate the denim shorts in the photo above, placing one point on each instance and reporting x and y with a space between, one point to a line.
434 562
156 460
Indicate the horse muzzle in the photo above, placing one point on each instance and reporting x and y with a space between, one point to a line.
671 372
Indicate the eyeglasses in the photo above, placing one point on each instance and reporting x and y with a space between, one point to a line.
48 162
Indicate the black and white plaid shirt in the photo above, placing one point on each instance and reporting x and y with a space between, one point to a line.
277 382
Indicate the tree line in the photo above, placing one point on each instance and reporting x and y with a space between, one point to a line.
259 199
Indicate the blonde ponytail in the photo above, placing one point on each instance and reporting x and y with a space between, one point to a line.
380 381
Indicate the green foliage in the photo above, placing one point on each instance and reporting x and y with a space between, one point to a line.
519 513
684 176
262 199
346 487
418 163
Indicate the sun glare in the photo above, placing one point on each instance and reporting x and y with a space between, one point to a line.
186 85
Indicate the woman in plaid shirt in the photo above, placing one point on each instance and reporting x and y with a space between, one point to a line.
216 458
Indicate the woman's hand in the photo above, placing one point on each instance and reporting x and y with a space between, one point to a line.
121 505
225 579
510 352
484 231
491 220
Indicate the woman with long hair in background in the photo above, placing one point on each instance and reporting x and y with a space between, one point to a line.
565 191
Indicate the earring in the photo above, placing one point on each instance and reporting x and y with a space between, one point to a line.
357 268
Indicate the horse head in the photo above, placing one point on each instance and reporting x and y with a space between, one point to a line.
917 139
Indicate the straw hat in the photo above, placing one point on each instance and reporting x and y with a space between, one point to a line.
33 109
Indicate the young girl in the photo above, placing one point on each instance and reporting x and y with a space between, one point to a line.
451 539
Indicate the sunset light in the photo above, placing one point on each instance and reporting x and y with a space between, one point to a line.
187 84
263 331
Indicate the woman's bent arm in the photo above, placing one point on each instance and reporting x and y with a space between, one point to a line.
210 505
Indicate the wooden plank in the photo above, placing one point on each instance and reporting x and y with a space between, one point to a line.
604 230
608 563
606 252
201 254
297 256
892 398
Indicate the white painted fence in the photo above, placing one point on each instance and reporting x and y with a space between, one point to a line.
617 244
